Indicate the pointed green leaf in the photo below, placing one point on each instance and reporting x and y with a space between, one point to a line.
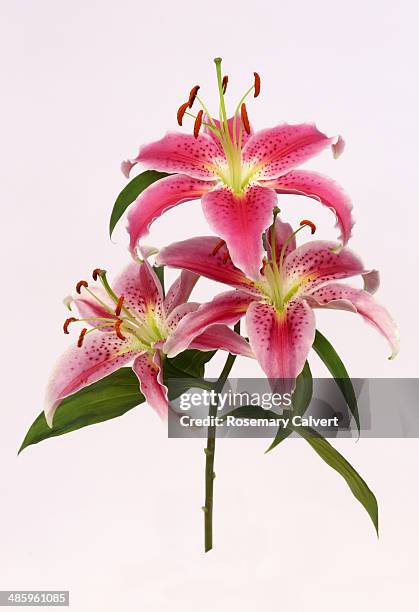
131 192
332 457
334 364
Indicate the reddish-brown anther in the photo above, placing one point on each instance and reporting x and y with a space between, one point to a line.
217 247
181 112
118 330
81 337
81 284
224 83
256 84
97 272
67 323
198 123
245 118
192 95
119 306
309 224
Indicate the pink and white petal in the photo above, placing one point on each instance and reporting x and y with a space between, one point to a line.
221 337
225 308
240 220
342 297
283 231
178 313
234 131
180 290
182 154
322 189
149 370
100 355
371 281
281 341
160 197
339 147
317 262
141 288
88 307
275 151
206 256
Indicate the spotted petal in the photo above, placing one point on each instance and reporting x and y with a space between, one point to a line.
183 154
323 189
141 288
160 197
148 368
222 338
180 290
100 355
225 308
240 220
281 341
342 297
207 256
273 152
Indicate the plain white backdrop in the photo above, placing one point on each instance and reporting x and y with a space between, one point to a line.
112 512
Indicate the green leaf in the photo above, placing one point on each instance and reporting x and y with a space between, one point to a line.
332 457
159 270
189 363
106 399
301 399
131 192
334 364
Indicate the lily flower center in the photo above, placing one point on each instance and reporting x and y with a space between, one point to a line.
232 172
143 329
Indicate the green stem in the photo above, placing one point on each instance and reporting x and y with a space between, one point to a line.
210 450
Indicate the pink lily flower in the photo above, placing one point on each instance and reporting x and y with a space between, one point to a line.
237 173
279 304
135 320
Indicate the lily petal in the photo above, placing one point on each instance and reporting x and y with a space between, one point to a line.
221 337
159 197
317 262
273 152
371 281
148 368
226 308
100 355
323 189
178 313
141 288
240 220
207 257
281 341
283 231
342 297
88 307
180 290
183 154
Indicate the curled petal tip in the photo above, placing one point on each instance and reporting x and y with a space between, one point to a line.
67 301
338 147
126 167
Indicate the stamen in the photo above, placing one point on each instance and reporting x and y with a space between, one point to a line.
118 330
264 262
198 123
119 305
224 83
181 112
192 95
245 118
97 272
67 323
217 247
309 224
81 337
81 284
256 84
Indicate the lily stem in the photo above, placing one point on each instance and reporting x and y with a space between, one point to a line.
210 449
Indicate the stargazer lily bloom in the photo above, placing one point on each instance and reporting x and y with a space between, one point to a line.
278 304
237 173
135 320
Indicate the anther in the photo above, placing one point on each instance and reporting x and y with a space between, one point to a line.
245 118
217 247
224 83
264 262
226 257
119 306
192 95
97 272
67 323
256 84
310 224
198 123
181 112
118 330
81 284
81 337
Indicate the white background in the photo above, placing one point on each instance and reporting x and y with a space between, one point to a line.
112 512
